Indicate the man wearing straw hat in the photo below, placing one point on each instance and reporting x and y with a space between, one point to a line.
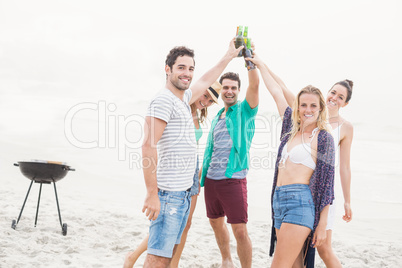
225 166
169 152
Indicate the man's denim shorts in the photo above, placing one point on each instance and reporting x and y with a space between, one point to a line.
294 204
166 230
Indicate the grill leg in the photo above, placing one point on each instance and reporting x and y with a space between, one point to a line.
37 208
23 205
57 201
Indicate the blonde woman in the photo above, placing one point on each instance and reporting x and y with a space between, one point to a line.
337 97
304 173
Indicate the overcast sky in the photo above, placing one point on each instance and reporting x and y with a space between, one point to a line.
94 50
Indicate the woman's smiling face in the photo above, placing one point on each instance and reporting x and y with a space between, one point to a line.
336 97
309 107
204 101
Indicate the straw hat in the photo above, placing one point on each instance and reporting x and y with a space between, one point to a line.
215 90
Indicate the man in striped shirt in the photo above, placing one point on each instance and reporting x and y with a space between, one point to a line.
169 152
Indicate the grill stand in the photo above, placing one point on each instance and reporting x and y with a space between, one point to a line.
63 226
37 206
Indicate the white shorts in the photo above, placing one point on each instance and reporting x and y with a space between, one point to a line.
331 216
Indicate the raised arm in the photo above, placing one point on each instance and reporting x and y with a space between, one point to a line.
153 131
290 97
272 86
252 90
213 74
344 167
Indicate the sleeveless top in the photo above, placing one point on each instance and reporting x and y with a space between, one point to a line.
198 133
336 133
220 155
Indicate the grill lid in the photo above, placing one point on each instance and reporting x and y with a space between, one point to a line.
44 170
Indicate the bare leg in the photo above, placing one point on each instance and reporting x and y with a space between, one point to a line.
244 248
223 239
299 261
327 254
152 261
132 257
291 238
180 247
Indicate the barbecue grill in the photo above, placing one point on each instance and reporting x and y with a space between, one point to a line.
43 172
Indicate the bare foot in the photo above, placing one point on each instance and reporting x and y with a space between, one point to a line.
227 264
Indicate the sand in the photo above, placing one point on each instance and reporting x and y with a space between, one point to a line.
101 203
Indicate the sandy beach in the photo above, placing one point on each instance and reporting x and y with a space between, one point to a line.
75 81
101 203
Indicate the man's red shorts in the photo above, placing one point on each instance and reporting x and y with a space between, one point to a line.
226 198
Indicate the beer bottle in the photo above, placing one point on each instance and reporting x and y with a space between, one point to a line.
245 35
249 54
239 40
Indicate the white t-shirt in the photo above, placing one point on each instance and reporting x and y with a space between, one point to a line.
177 146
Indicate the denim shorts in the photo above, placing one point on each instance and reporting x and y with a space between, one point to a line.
294 204
195 188
165 232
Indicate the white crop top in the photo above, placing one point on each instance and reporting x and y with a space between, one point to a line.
300 154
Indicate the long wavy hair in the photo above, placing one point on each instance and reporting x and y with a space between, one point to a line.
322 120
200 114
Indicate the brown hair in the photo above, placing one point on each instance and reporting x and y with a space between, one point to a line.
348 84
231 76
176 52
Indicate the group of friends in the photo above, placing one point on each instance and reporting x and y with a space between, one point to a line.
313 137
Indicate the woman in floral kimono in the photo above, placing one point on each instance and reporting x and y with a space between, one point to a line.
304 174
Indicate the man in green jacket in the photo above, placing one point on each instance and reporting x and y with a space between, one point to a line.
226 163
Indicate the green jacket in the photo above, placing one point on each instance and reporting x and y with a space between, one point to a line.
240 124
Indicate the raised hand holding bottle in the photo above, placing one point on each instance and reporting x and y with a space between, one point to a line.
249 54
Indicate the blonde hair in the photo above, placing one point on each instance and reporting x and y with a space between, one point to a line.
202 114
322 120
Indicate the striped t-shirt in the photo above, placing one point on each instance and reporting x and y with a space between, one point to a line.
177 147
220 155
